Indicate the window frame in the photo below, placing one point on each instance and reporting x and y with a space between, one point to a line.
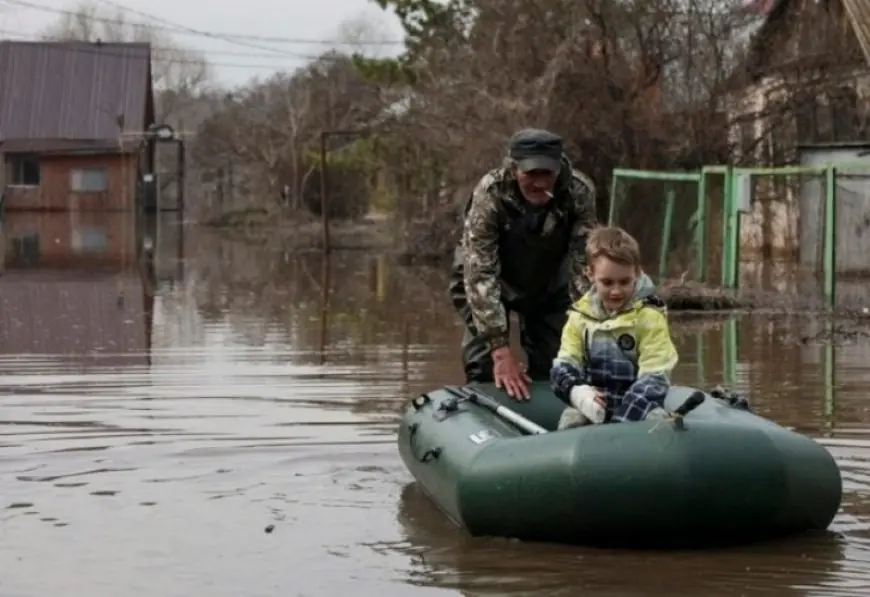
80 183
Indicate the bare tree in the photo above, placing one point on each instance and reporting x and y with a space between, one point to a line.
637 84
178 71
366 35
272 130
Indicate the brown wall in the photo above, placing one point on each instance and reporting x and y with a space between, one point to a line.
58 232
54 191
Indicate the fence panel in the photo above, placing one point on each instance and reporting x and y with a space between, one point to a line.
668 213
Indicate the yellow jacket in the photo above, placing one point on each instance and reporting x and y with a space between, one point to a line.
628 355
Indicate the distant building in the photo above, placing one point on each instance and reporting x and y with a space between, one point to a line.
802 97
63 107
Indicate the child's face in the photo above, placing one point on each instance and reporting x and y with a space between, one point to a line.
614 282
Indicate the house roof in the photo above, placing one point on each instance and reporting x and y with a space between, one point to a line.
57 95
857 12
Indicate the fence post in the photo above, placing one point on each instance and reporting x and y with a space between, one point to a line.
611 210
829 407
701 229
731 237
730 349
670 199
830 240
726 197
324 189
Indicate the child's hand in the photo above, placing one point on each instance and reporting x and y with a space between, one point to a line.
589 401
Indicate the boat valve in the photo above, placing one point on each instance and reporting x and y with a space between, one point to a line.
420 401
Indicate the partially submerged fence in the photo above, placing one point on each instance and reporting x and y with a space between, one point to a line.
715 365
668 211
689 217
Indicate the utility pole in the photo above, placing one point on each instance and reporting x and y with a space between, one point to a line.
324 178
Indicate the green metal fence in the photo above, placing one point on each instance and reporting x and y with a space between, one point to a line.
631 187
687 210
730 351
730 358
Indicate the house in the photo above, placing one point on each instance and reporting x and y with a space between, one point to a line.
72 116
804 79
78 240
803 89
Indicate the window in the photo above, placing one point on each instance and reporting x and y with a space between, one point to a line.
90 240
23 170
844 115
24 250
748 140
92 180
805 118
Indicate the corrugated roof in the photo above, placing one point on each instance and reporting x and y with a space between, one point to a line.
58 92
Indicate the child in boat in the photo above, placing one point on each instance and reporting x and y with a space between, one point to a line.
616 356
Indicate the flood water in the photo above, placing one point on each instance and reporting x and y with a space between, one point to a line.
156 420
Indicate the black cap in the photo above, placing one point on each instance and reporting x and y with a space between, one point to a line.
536 149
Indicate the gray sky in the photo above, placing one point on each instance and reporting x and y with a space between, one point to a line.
234 62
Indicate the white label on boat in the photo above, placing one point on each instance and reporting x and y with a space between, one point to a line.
482 436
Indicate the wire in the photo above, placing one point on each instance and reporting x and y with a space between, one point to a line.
176 28
106 49
182 30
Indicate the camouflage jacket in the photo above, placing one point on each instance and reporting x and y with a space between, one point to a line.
480 237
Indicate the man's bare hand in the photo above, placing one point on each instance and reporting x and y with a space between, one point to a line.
509 375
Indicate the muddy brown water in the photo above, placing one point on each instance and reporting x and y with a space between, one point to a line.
148 440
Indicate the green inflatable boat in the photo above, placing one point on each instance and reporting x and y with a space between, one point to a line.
712 476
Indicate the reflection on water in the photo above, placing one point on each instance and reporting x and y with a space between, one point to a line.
146 445
479 566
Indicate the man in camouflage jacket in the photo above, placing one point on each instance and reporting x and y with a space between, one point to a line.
523 250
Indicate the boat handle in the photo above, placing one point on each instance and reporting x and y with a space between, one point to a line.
428 455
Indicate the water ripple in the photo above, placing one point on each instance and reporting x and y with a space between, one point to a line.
250 450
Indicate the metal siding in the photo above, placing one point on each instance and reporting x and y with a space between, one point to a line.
55 91
853 206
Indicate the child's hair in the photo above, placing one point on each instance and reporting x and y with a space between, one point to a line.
614 243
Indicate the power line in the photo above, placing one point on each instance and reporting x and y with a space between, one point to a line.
182 30
173 55
175 27
166 54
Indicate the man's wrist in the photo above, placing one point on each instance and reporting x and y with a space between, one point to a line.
498 343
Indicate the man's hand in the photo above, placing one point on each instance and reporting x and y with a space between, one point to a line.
509 376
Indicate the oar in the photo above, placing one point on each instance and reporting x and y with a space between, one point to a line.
502 411
694 400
